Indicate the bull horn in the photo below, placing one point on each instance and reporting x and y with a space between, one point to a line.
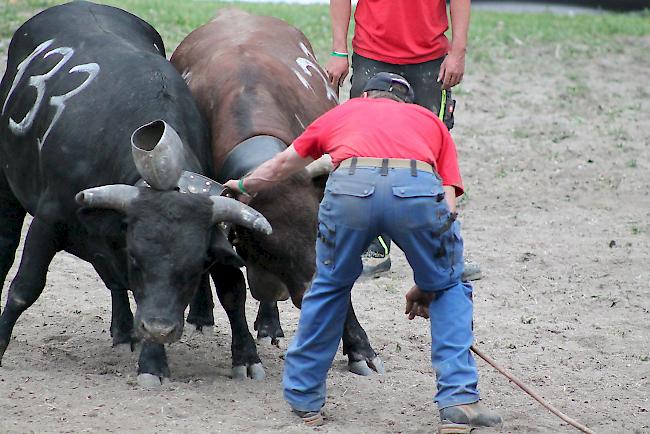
117 197
231 210
322 166
158 154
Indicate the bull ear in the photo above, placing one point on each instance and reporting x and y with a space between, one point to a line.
222 252
102 222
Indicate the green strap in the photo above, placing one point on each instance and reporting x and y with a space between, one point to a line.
383 244
443 103
240 184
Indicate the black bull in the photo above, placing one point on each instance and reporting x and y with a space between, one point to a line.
80 79
258 84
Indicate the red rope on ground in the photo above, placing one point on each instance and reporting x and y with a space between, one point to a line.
529 391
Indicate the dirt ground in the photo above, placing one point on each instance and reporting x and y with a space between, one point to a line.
554 148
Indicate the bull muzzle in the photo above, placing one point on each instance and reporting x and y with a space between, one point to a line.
158 154
159 330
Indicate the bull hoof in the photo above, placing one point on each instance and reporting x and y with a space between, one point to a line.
200 321
239 372
268 340
254 371
125 345
204 330
366 367
125 348
126 338
150 381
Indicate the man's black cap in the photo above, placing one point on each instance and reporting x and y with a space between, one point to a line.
393 83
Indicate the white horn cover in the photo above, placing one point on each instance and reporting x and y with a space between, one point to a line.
158 154
117 197
233 211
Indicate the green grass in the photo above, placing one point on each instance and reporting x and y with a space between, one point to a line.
492 34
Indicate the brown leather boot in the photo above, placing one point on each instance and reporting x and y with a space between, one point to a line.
460 419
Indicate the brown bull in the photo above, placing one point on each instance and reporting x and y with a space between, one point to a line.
258 85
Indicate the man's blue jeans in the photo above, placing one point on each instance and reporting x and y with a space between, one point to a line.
356 208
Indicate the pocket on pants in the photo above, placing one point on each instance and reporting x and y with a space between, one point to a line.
326 244
416 204
348 201
351 187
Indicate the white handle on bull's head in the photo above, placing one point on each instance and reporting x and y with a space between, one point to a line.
225 209
158 154
319 167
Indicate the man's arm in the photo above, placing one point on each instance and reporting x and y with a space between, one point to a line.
280 167
450 196
453 67
337 67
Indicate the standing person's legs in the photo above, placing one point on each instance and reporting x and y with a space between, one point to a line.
429 94
423 77
345 219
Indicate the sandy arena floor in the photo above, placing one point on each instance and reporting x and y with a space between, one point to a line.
555 152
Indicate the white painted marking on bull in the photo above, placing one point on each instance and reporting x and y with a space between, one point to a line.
301 78
38 82
310 61
187 76
58 101
300 122
22 66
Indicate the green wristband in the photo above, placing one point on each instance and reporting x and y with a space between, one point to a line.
240 185
338 54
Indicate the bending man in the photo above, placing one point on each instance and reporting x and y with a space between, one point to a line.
397 174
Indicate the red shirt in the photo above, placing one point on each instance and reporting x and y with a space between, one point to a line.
401 31
382 128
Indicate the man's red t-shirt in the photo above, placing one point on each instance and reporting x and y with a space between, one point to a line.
401 31
382 128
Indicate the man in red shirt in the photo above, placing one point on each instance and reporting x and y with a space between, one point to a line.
396 173
406 37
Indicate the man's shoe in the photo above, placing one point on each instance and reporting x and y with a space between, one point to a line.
310 418
472 272
373 266
460 419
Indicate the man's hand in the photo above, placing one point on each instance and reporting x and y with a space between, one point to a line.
233 186
452 69
417 302
337 69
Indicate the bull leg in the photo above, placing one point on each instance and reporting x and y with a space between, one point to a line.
231 290
152 365
268 289
41 244
12 215
267 322
121 315
362 359
202 306
121 318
